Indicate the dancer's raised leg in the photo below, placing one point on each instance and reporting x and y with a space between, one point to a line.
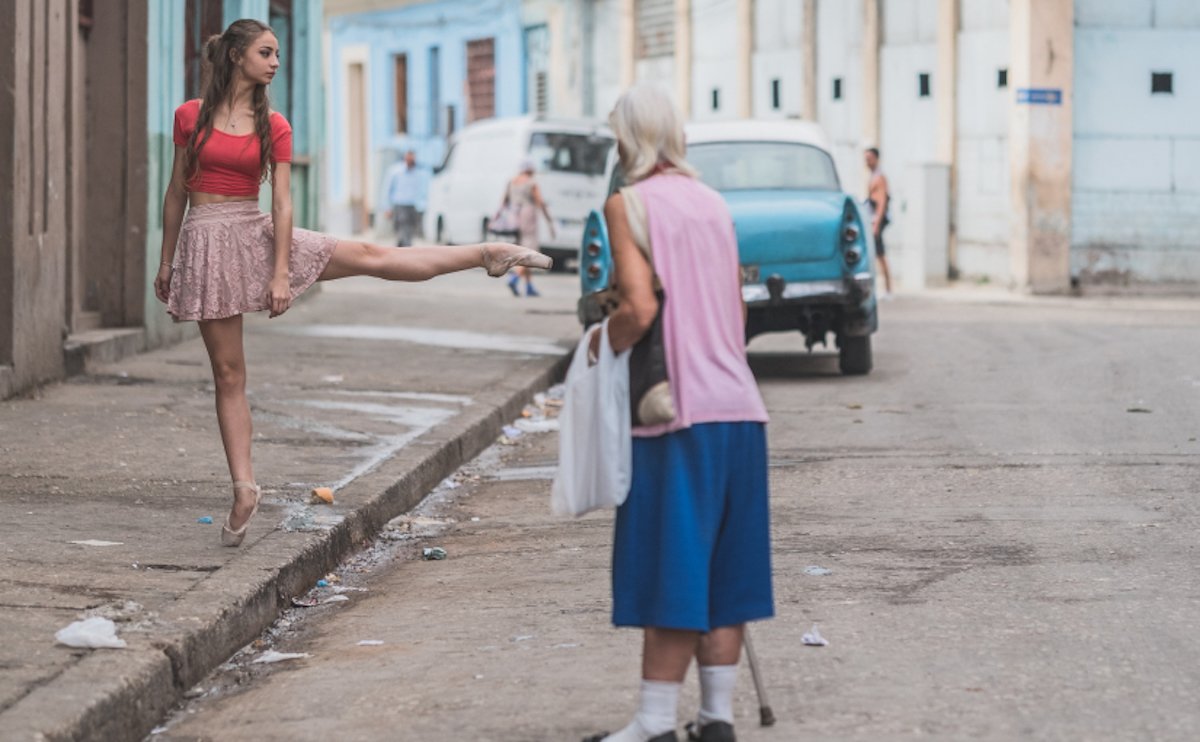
223 339
353 258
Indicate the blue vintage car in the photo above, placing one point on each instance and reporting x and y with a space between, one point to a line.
803 243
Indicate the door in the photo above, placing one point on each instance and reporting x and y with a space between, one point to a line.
357 130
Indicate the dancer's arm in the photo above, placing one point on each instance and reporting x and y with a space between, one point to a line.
281 218
174 205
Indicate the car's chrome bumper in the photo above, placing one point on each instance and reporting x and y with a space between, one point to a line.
776 291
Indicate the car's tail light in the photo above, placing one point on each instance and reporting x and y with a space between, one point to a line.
850 234
594 271
853 255
593 249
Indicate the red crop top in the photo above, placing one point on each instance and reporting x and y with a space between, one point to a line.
228 164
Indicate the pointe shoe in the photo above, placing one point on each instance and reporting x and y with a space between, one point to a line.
500 257
230 537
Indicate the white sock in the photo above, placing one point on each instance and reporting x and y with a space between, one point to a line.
655 716
716 693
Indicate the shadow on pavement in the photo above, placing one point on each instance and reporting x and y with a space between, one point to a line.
777 365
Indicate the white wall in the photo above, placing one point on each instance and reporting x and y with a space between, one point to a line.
714 59
778 55
908 123
1136 192
982 192
839 54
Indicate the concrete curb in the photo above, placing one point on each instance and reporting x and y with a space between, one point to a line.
122 694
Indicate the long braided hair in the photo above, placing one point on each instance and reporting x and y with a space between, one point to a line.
218 66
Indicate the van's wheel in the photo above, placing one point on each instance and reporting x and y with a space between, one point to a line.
854 355
441 231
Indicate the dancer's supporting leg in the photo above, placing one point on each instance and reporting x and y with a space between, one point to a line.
223 339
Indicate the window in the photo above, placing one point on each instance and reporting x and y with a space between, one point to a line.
401 73
435 90
537 69
738 166
654 21
582 154
837 88
716 99
481 79
1002 78
775 103
923 85
86 14
202 19
1162 82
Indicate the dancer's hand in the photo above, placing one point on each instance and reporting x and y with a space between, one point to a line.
279 292
498 258
162 282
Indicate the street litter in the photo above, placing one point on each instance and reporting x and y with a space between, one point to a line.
340 589
370 643
333 379
332 578
475 519
97 542
322 583
545 425
816 571
321 495
436 553
513 432
271 656
305 602
336 599
90 633
205 519
814 639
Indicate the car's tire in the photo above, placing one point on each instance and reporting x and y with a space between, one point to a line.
854 355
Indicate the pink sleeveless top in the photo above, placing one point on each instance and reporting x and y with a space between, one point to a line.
696 258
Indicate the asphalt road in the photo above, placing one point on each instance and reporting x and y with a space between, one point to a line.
1007 505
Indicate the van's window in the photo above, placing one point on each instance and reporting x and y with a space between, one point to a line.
446 159
569 153
741 166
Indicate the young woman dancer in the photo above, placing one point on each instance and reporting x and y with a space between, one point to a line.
226 257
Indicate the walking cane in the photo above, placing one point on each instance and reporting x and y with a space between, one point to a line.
766 717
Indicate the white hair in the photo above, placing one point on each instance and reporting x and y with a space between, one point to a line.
649 132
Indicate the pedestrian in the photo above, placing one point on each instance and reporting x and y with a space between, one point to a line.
406 189
691 549
224 257
523 201
877 194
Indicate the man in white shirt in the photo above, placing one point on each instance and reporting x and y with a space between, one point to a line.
406 189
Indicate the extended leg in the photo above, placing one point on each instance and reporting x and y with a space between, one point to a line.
351 258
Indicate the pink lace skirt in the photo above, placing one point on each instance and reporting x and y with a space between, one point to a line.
226 257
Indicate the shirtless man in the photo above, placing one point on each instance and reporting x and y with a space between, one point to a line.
877 194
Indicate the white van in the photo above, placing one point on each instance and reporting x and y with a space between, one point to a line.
468 187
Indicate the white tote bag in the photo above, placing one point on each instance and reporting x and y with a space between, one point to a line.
595 443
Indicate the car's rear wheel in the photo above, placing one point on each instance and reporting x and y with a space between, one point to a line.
854 355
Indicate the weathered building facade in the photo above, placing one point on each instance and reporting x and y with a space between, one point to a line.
87 93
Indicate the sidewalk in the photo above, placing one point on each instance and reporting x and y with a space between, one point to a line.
377 390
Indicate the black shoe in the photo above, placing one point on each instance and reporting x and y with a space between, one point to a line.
664 737
713 731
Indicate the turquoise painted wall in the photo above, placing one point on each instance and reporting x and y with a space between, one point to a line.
413 30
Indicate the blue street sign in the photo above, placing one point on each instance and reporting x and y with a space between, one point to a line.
1040 96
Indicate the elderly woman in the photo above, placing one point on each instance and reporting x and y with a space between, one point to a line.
691 553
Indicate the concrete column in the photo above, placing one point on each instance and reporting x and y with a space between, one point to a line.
745 31
1042 34
809 52
683 56
870 73
946 99
627 42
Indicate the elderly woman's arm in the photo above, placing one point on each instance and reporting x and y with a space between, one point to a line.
635 280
